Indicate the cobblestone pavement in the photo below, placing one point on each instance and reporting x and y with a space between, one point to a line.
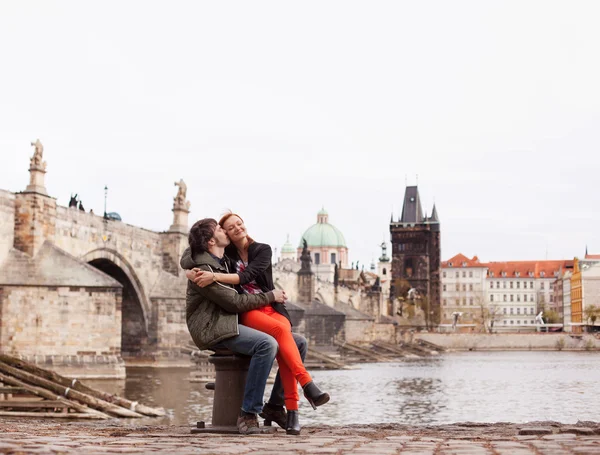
43 437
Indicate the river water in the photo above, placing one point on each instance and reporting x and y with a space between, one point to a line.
454 387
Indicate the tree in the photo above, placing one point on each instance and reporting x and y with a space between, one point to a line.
591 313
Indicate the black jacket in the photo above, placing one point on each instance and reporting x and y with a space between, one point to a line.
259 269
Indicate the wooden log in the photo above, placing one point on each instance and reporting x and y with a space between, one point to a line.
57 415
362 351
13 390
325 358
67 392
43 393
33 404
74 384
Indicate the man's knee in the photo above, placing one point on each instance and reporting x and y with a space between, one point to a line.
302 344
268 345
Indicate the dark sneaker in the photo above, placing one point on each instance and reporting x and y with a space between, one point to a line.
248 424
273 413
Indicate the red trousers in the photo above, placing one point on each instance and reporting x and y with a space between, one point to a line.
291 368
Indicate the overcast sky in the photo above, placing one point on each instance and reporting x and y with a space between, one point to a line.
275 109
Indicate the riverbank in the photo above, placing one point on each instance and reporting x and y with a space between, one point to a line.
512 341
43 437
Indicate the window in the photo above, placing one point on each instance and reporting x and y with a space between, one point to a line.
492 298
530 310
518 297
444 274
471 301
512 298
531 284
444 303
317 258
464 302
504 284
525 298
511 284
503 310
518 310
457 287
511 310
444 287
470 273
464 274
333 258
504 322
491 285
457 274
518 321
512 322
518 285
384 271
497 284
525 285
470 287
464 287
542 285
505 297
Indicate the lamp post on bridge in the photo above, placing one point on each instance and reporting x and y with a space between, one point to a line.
105 196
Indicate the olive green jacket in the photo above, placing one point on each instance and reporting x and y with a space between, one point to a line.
211 312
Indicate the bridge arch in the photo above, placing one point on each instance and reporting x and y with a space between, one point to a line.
135 306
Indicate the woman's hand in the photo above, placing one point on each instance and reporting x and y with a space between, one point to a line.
204 278
280 296
200 277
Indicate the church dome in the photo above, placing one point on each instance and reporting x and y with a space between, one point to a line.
288 247
323 234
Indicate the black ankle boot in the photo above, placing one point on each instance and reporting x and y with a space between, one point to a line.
274 413
314 396
293 425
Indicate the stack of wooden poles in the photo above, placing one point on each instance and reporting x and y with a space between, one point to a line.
27 390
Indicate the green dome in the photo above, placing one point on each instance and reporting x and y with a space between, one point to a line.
323 234
287 247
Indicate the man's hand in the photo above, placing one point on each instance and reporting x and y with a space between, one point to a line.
200 277
280 296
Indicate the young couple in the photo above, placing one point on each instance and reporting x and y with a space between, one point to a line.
232 304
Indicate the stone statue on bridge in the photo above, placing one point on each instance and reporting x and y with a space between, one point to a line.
38 155
181 198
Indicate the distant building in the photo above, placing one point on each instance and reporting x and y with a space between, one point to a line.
327 247
502 295
585 292
463 289
416 255
288 251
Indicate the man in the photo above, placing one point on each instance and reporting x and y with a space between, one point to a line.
211 315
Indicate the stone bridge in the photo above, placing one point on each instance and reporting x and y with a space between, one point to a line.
143 303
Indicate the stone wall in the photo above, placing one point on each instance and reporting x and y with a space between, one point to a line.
7 221
63 326
171 325
34 221
510 341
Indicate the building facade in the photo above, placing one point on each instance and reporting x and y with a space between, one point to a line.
463 290
505 296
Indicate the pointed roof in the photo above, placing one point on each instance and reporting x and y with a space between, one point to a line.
51 267
412 211
434 215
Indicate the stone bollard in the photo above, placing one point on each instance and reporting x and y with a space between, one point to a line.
230 380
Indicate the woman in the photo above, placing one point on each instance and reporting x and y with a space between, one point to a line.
252 262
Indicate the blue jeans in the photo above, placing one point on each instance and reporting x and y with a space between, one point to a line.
263 349
277 392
